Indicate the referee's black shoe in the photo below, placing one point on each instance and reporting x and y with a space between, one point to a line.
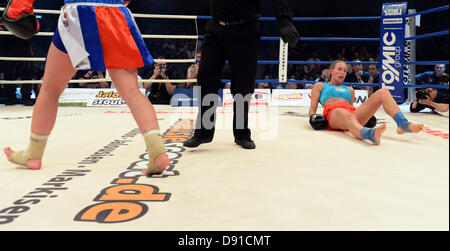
245 143
195 141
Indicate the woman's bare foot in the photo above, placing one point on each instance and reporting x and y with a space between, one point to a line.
160 164
378 132
413 128
33 164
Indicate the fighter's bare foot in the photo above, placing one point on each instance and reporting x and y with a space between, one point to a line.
160 164
378 132
33 164
412 127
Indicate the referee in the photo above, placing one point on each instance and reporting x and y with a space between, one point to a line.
233 34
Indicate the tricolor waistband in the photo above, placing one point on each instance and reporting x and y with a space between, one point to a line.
95 1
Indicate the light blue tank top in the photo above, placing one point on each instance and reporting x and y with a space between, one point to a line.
333 91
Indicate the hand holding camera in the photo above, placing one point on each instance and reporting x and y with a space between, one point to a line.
421 94
423 97
160 70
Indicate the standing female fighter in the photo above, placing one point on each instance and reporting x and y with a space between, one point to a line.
92 35
337 101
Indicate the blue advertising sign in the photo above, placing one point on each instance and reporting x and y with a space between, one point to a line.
183 97
392 46
189 97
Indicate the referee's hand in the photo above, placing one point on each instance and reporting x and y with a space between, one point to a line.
290 35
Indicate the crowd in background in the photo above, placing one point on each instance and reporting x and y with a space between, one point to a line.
188 49
182 49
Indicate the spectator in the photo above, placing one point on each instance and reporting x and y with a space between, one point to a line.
436 77
358 75
12 46
160 93
94 85
374 78
430 98
324 76
312 71
192 72
281 86
264 85
341 57
292 86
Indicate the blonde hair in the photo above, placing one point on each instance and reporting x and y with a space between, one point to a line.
332 66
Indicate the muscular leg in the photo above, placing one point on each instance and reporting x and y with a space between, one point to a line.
144 114
384 97
345 120
142 110
58 72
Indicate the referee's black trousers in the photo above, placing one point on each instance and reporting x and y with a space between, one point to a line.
239 45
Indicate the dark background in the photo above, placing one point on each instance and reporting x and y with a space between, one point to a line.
427 49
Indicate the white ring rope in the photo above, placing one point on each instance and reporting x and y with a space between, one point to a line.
22 59
43 34
50 34
155 16
34 59
101 80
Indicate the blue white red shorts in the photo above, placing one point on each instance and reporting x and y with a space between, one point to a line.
99 36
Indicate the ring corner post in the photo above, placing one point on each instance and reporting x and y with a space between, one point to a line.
410 54
392 48
283 58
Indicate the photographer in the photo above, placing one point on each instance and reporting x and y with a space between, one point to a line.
192 71
95 85
374 78
430 98
160 93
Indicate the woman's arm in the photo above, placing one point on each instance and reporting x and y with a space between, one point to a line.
103 84
315 96
352 99
431 103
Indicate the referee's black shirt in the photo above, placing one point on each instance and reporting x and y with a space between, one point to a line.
249 10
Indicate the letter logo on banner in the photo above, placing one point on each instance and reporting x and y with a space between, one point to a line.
392 48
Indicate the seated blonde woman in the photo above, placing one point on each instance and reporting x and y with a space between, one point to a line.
339 113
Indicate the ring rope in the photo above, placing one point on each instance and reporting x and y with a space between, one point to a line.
442 8
433 34
34 59
262 62
158 16
100 80
197 37
427 62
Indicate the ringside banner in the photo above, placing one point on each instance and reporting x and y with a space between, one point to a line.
392 46
93 97
302 97
106 98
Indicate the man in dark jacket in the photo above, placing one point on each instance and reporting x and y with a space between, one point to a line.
233 34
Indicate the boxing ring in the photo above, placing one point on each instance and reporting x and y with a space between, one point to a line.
295 179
